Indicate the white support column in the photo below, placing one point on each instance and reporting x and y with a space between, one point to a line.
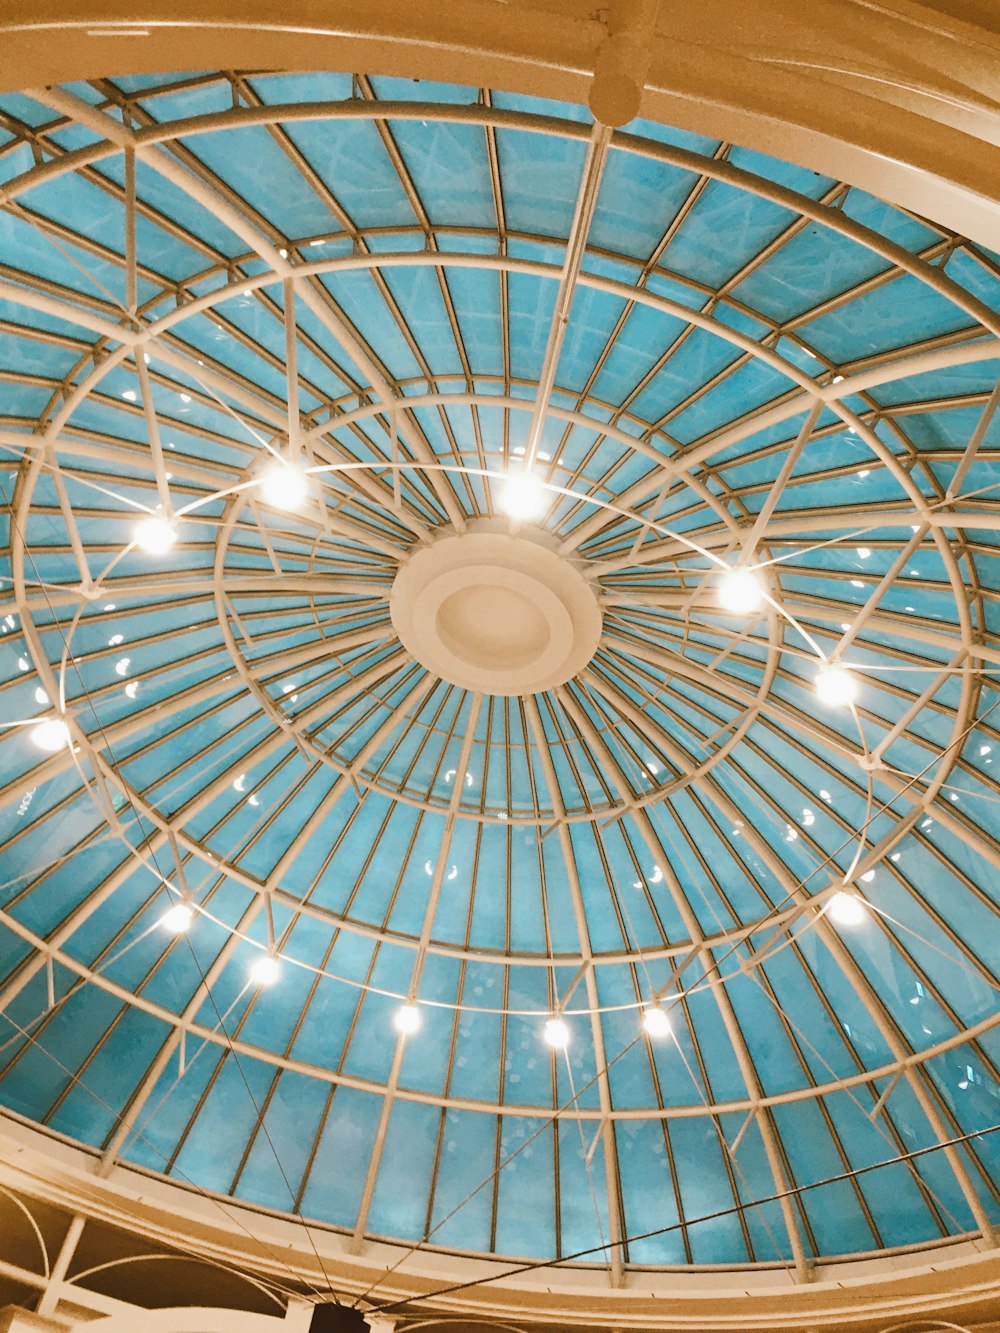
50 1296
623 61
298 1316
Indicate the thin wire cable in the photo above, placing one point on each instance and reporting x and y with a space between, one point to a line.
203 981
120 1119
734 948
545 1125
787 1261
790 1193
587 1154
790 895
772 999
78 985
983 977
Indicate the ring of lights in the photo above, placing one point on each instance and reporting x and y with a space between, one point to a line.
135 798
652 526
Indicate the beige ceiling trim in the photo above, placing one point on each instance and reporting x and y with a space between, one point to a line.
898 97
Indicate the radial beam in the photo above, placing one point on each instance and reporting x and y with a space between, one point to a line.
128 1124
576 248
185 179
430 912
616 1256
916 1077
613 770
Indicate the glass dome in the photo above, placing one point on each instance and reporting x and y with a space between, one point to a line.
291 916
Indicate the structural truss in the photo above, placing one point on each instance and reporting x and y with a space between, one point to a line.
710 358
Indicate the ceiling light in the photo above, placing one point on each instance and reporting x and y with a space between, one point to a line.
284 485
556 1033
847 909
407 1018
740 591
656 1022
51 735
178 919
265 970
155 535
836 685
523 496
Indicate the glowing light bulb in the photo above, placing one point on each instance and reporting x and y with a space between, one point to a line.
740 591
156 535
847 909
407 1018
265 970
556 1033
284 485
523 495
836 686
178 919
51 735
655 1021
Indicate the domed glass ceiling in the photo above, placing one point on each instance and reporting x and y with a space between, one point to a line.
710 359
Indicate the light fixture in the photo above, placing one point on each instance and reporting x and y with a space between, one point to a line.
556 1033
523 496
740 591
51 735
847 909
265 970
655 1021
177 919
284 485
837 686
407 1018
156 535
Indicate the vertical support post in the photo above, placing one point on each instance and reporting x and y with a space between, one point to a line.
131 258
50 1296
623 61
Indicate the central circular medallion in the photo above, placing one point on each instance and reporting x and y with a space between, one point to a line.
495 612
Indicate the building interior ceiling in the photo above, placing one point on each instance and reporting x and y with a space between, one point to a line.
684 961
